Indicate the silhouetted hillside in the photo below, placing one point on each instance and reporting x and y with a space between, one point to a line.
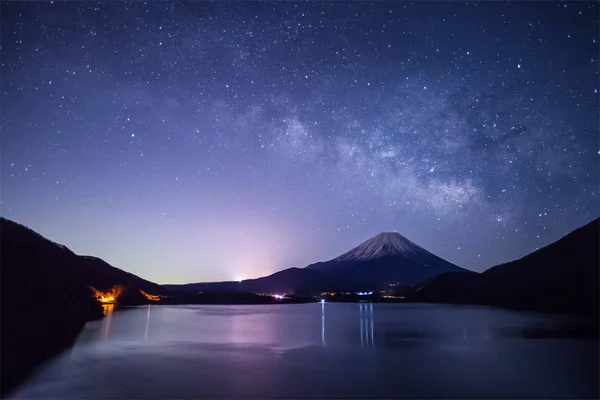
291 280
43 263
561 277
46 298
105 276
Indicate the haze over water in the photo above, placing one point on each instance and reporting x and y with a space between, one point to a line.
332 350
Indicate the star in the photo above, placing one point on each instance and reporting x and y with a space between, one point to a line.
325 130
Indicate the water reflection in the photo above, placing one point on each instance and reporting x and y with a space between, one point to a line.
269 352
367 325
323 323
147 323
108 311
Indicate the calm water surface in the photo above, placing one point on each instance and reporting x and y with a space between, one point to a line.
333 350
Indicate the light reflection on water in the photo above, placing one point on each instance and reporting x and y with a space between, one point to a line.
367 334
108 312
147 323
317 351
323 323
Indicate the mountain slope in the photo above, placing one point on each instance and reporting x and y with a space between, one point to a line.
32 262
46 298
384 259
106 276
563 276
291 280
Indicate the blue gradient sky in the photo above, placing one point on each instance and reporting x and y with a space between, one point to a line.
198 141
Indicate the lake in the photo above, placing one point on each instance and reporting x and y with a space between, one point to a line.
331 350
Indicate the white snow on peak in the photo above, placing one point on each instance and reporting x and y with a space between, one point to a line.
383 244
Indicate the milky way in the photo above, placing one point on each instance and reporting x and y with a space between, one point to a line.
216 141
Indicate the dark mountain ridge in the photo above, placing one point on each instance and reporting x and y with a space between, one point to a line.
37 262
290 280
38 274
560 277
379 261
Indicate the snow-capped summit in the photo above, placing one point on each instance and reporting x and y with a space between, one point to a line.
383 244
383 259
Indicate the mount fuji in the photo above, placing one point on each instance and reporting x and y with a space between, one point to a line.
381 260
386 258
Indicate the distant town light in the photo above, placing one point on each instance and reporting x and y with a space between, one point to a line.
322 301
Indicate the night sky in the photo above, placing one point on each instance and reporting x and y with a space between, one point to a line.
197 141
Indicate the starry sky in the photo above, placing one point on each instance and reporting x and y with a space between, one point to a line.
202 141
